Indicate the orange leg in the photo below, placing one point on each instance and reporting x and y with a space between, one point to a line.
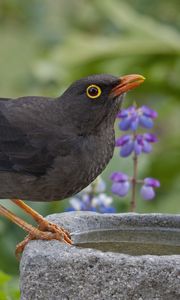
44 225
46 230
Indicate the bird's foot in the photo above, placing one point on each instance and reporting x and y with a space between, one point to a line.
46 231
20 246
45 225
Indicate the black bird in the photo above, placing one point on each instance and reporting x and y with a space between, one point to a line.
51 148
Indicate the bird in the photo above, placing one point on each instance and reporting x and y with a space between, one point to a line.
52 148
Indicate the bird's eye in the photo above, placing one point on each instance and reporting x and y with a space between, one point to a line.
93 91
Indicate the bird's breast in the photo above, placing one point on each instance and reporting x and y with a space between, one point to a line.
99 153
87 160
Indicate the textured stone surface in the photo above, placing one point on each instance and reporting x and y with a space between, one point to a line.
54 271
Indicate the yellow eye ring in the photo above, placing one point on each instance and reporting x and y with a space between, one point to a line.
93 91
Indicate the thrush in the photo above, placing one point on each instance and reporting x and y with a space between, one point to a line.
52 148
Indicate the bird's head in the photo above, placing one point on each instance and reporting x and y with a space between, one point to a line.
94 101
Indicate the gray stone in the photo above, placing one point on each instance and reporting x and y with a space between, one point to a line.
51 270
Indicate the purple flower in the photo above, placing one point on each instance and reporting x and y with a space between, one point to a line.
106 209
92 198
119 177
103 203
147 190
129 118
148 112
133 117
150 137
120 184
123 140
127 145
152 182
80 202
142 143
138 143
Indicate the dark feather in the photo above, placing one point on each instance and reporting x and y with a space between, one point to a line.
23 147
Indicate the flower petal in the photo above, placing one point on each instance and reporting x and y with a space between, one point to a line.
134 124
76 203
127 149
150 137
119 177
147 148
145 122
137 148
70 208
107 209
149 112
86 198
132 110
120 188
123 113
125 124
123 140
147 192
151 182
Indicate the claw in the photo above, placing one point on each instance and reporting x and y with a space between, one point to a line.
46 231
20 247
45 225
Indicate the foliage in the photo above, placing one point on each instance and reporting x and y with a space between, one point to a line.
8 288
47 44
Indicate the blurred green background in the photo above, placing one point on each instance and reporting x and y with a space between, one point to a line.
45 45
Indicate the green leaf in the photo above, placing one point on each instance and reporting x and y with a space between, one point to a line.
4 278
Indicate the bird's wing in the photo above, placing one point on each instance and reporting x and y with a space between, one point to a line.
28 142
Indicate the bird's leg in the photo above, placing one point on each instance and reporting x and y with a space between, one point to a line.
44 225
33 232
18 221
47 231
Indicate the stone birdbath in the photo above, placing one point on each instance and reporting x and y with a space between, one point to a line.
114 256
